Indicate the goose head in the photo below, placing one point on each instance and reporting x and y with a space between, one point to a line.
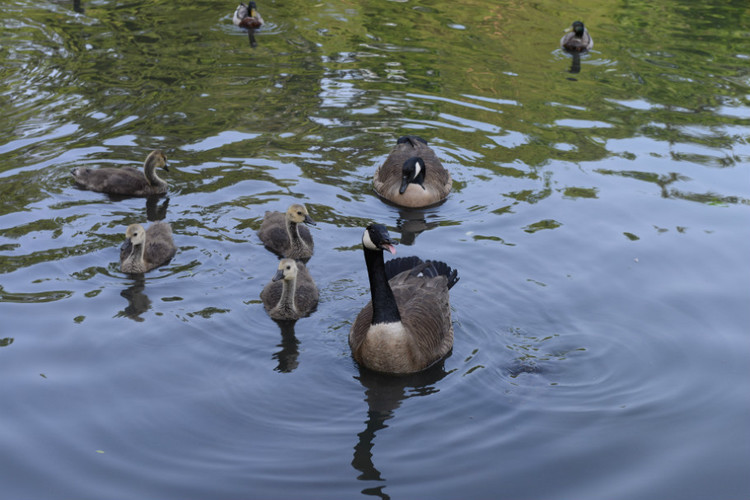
377 239
298 213
578 28
287 270
135 234
412 172
156 159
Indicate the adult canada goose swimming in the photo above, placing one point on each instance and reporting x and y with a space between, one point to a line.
144 250
125 180
577 40
283 235
406 327
247 16
291 293
412 175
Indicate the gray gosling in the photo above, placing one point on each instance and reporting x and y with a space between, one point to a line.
282 234
127 181
412 175
143 250
406 327
291 294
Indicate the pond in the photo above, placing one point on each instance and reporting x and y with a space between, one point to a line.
598 222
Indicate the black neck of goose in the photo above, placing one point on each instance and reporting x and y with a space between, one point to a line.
384 307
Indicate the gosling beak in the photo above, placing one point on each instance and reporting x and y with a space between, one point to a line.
278 276
308 220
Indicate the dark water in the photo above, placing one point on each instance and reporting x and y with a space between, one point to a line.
599 222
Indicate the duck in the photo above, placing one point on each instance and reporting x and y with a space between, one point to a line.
406 327
281 232
127 181
291 294
247 16
412 175
577 40
144 250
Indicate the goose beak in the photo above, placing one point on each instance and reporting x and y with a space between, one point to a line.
404 184
389 247
278 276
308 220
165 167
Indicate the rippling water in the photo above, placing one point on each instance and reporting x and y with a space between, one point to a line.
599 222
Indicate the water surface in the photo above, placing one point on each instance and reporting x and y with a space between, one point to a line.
598 222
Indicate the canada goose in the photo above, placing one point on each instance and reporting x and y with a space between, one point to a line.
295 296
282 234
247 16
144 250
406 327
577 40
125 180
412 175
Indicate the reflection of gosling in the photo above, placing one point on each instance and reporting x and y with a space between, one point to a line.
283 235
296 296
406 327
144 250
412 175
125 180
247 16
577 40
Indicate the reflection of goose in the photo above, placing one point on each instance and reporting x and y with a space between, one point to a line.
411 222
138 302
295 296
406 327
384 395
154 210
412 175
145 250
125 180
283 235
577 40
287 356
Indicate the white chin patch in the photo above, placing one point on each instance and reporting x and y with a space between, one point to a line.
367 241
417 169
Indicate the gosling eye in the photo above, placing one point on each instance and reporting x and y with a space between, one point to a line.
288 268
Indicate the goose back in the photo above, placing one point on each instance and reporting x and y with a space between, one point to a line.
143 251
400 181
126 181
302 287
285 236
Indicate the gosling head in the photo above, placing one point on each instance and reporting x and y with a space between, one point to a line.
136 234
287 270
376 238
412 172
298 213
578 28
157 159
